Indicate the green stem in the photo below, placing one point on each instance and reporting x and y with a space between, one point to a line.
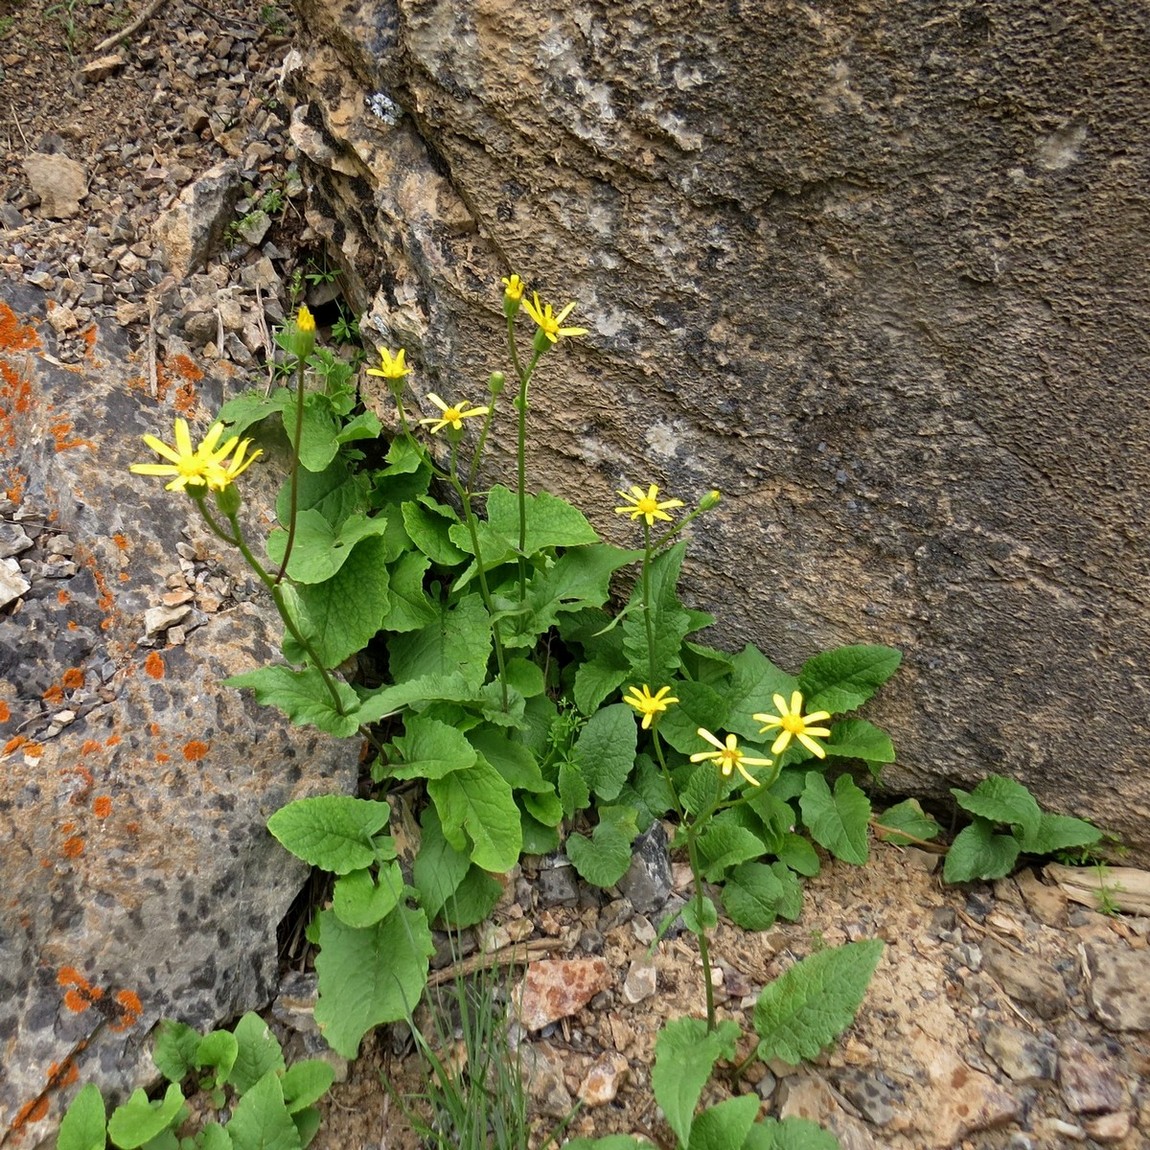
670 534
648 621
521 406
701 933
473 470
277 595
294 477
473 530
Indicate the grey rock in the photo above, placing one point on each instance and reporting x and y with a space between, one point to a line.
1030 980
1089 1082
641 982
192 228
60 182
1026 1058
822 296
1119 986
13 540
647 882
876 1097
12 582
557 886
135 833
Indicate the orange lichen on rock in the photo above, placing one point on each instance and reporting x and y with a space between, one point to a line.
53 694
33 750
88 746
102 806
121 542
130 1010
195 750
154 665
73 678
74 846
63 598
61 431
5 714
14 335
81 994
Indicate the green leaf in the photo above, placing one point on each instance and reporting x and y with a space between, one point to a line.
844 679
607 1142
306 1082
725 1126
439 868
724 846
474 899
320 548
685 1056
431 749
458 642
751 896
605 749
307 1123
755 680
790 906
574 793
332 832
260 1120
360 899
908 817
478 801
249 407
526 677
594 681
368 977
82 1127
366 425
303 697
318 445
511 758
407 473
789 1134
798 854
699 920
428 523
138 1121
213 1137
603 859
670 623
839 821
391 700
977 852
858 739
648 792
699 706
1002 800
340 616
259 1052
335 493
175 1049
409 608
218 1051
1058 833
811 1004
551 522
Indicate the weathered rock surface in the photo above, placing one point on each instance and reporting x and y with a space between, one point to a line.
140 881
874 272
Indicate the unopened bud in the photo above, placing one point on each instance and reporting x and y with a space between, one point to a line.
711 499
299 334
496 382
228 500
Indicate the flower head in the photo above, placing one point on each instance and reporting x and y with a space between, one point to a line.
513 288
198 469
727 757
299 334
792 723
647 506
391 367
452 416
648 705
304 320
550 325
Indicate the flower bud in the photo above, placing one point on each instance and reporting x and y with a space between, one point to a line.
496 382
711 499
228 500
299 334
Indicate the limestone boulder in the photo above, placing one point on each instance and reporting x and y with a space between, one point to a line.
876 272
139 880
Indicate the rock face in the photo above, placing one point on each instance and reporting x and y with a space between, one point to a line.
876 274
139 879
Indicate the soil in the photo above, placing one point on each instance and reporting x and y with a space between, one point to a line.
966 972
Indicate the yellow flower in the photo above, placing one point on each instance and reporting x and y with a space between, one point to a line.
647 505
793 723
513 288
647 704
452 416
298 337
549 323
728 757
391 366
198 468
304 320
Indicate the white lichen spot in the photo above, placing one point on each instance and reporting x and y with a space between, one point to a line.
384 108
687 139
664 438
1060 149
